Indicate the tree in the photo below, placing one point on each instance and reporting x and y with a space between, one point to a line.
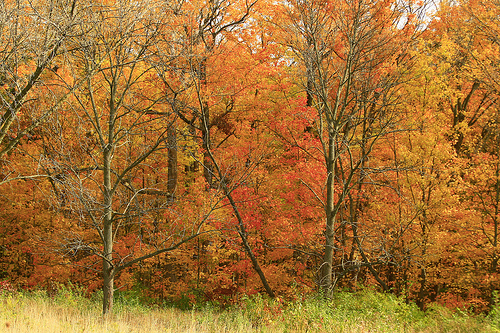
105 153
201 98
352 57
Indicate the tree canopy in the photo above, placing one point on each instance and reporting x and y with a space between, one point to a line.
208 149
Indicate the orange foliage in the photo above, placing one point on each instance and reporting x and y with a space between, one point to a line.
423 221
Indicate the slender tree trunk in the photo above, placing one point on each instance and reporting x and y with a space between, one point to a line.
326 267
310 73
172 161
243 235
107 234
208 168
494 243
107 231
108 288
423 273
107 267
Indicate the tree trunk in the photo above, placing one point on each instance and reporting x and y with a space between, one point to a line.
172 161
256 265
325 281
243 235
107 288
208 168
107 230
107 265
107 234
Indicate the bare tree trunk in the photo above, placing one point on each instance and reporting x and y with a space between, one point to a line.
107 288
208 169
172 161
107 233
326 267
243 235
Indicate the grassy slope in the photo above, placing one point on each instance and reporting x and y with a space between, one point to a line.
363 312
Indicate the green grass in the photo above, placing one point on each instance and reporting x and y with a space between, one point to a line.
364 311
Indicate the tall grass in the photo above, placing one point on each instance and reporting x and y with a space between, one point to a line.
365 311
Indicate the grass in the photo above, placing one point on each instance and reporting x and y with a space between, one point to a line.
346 312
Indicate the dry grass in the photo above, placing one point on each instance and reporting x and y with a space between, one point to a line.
38 315
366 313
22 314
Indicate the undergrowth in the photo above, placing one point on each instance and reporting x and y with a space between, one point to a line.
69 310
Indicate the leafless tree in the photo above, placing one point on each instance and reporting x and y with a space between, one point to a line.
105 153
352 57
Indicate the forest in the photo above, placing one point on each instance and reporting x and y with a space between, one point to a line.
206 149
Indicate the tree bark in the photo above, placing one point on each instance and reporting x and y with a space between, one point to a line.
326 282
107 288
208 169
243 235
172 161
107 234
